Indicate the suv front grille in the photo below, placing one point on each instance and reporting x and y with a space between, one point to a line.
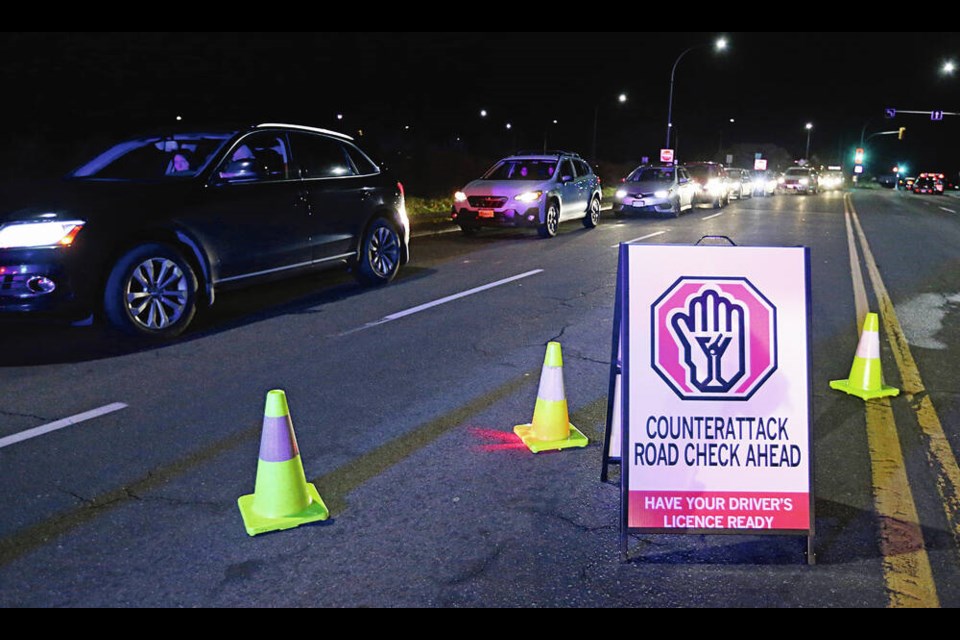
488 202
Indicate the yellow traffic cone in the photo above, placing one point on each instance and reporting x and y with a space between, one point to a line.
551 429
283 500
866 377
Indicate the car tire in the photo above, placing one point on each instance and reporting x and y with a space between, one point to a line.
380 254
676 209
551 225
151 293
593 214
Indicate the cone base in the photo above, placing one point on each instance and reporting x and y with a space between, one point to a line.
257 525
576 440
864 394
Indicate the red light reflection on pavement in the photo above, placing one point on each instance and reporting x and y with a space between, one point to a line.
500 441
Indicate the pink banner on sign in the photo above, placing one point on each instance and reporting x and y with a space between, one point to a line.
722 511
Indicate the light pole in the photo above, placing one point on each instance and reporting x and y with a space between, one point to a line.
720 46
621 99
809 136
546 133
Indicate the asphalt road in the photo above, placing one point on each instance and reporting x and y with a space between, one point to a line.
404 424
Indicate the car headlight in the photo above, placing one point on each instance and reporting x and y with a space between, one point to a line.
29 235
781 181
621 194
805 182
661 195
529 196
460 196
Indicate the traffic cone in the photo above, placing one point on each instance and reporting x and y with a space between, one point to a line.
866 377
551 429
283 500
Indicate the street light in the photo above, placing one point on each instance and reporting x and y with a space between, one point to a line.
719 46
809 135
546 133
484 113
949 68
622 99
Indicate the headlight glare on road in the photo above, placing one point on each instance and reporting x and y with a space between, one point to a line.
529 196
29 235
460 196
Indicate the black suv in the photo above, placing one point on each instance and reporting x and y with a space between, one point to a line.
714 183
153 228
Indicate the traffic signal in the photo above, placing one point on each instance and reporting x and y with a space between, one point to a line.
903 132
861 156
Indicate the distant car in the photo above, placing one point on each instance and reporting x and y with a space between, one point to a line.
714 185
656 189
907 183
531 190
764 184
929 184
155 227
887 181
832 181
741 183
800 180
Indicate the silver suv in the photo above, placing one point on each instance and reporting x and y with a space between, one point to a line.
537 191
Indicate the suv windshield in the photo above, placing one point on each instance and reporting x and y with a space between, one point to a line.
803 173
536 170
702 173
155 158
652 175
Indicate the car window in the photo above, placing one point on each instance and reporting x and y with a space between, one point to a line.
566 169
155 158
259 157
321 157
534 170
652 175
583 168
365 166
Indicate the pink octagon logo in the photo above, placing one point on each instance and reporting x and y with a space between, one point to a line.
714 339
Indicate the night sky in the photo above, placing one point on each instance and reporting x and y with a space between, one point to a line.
71 87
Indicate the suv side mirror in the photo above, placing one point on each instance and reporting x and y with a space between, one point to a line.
240 171
566 179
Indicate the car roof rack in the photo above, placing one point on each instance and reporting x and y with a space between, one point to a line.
547 153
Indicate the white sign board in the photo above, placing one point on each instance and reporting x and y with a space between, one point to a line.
667 156
761 165
716 390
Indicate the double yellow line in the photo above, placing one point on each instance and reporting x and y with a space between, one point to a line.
907 569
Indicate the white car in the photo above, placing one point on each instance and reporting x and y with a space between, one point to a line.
665 190
536 191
